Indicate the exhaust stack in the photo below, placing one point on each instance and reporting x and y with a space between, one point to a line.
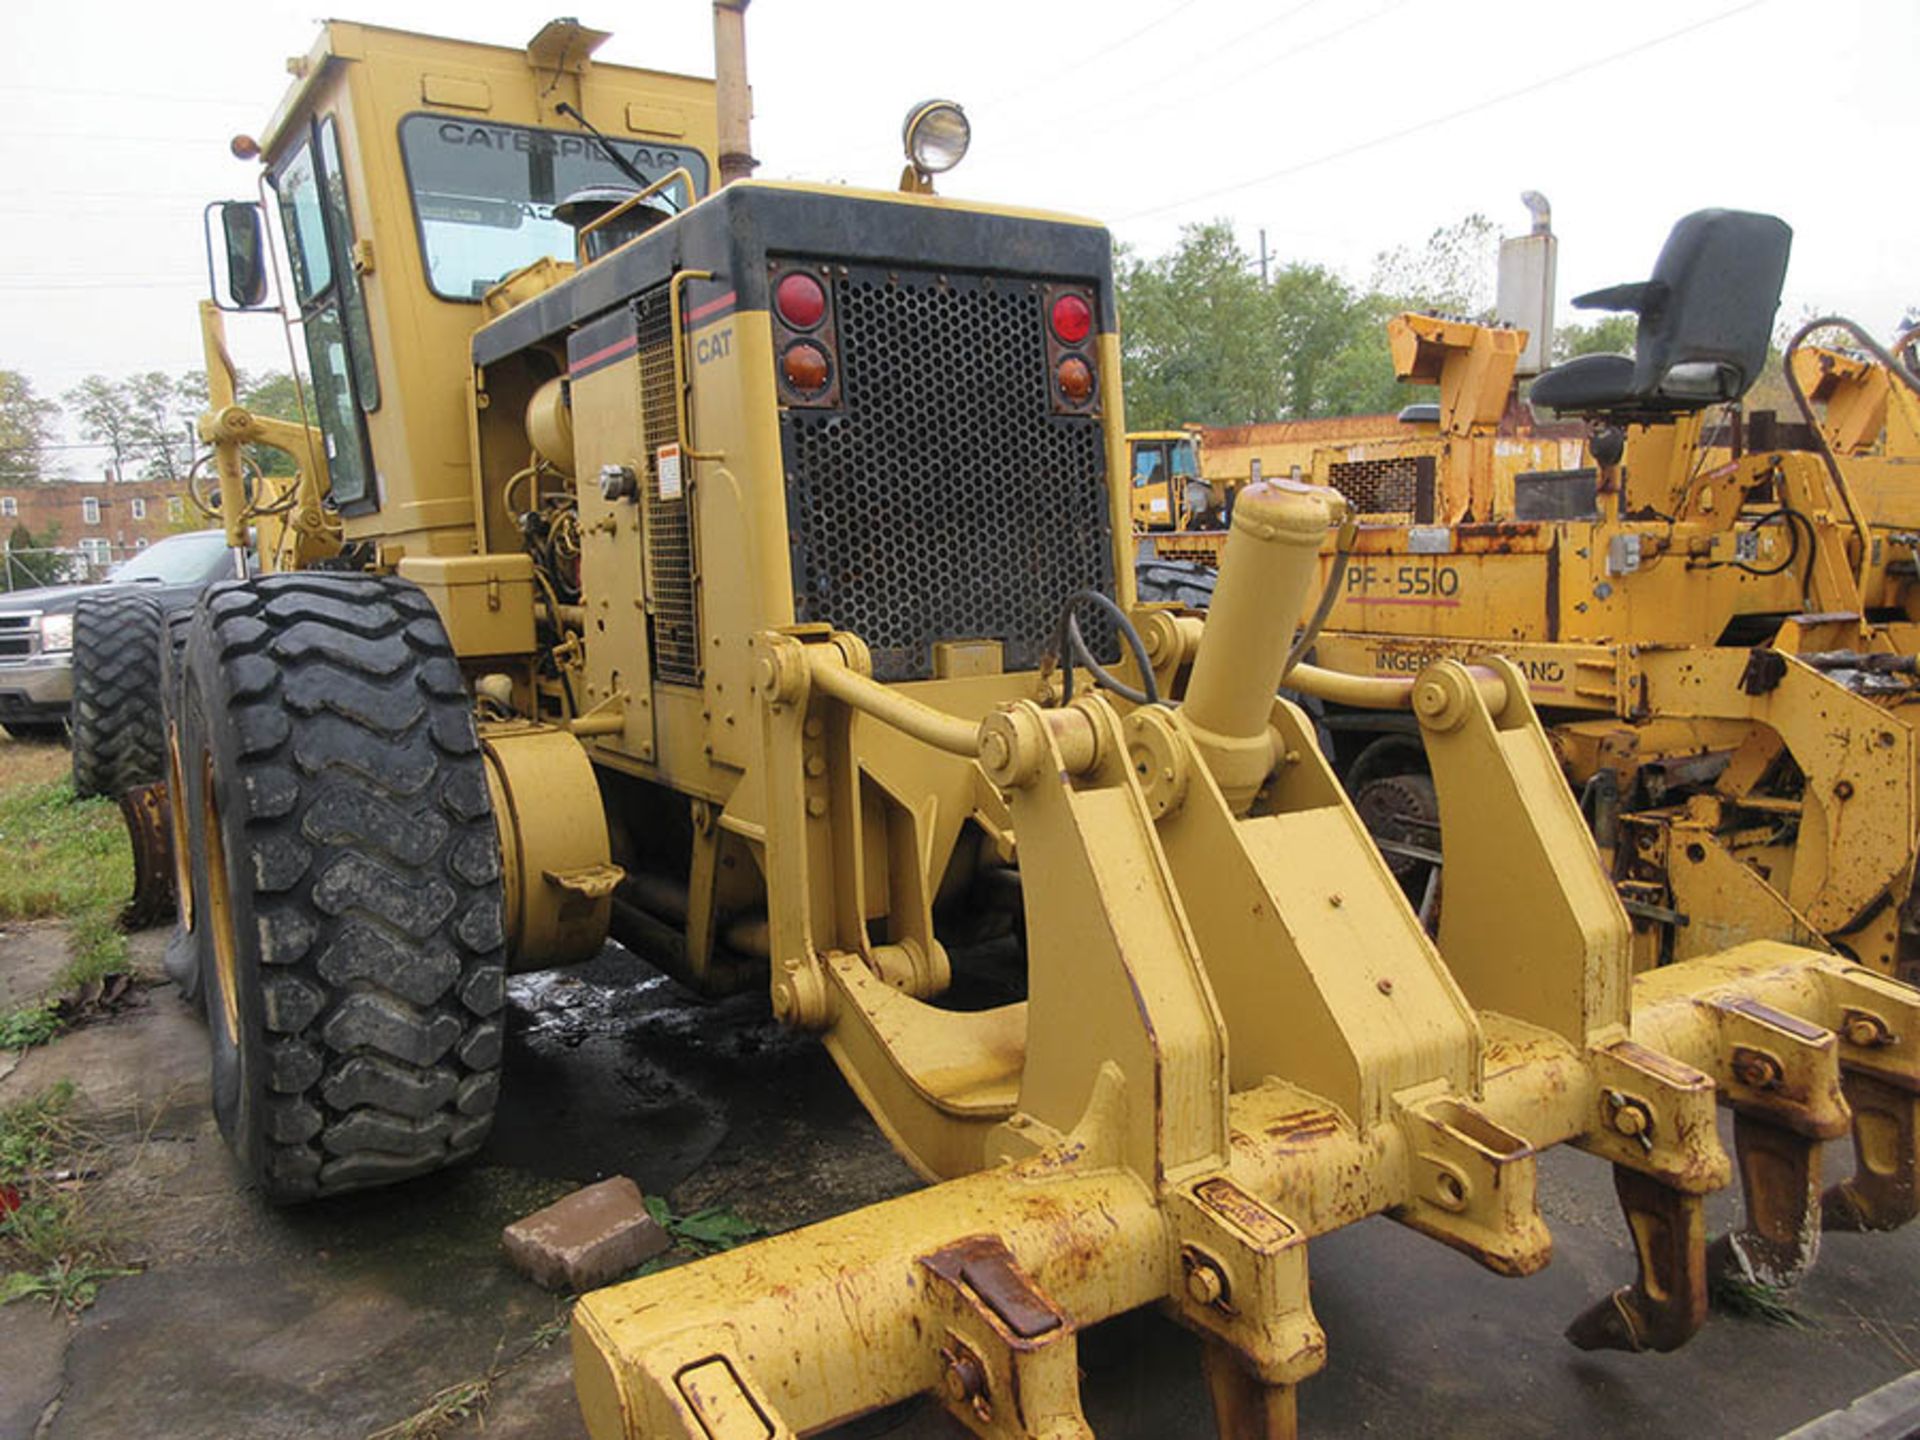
734 96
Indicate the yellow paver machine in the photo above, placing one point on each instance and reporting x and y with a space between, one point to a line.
742 569
1721 637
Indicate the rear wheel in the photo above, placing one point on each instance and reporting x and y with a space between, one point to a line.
345 903
1402 813
117 741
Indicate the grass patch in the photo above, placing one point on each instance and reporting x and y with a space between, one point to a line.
48 1250
32 762
68 859
65 857
28 1026
465 1400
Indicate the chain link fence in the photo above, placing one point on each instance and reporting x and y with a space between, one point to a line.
28 568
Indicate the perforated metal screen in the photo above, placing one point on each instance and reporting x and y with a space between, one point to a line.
943 499
1381 487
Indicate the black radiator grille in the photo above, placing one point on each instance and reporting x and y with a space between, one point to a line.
19 635
943 499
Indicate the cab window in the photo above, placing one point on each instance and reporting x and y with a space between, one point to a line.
1186 463
1149 465
483 193
306 225
312 195
353 303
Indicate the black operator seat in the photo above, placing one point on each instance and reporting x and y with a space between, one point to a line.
1705 319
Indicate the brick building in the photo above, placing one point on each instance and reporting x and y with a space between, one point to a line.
99 521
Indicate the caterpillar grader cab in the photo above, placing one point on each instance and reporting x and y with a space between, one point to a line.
756 589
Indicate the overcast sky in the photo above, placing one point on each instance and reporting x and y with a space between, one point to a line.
1342 127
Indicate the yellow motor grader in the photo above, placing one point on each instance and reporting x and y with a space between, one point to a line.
742 569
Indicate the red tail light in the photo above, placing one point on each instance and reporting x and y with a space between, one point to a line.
1072 318
800 300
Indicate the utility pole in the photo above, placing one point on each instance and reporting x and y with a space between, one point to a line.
1263 257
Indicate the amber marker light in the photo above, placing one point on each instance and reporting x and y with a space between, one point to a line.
1075 378
804 367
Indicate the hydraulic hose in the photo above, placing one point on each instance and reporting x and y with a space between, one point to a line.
1845 491
1336 579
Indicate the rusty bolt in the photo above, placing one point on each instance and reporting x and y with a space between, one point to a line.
1756 1068
1206 1285
1844 789
1384 985
1336 899
816 806
1867 1030
1630 1117
966 1377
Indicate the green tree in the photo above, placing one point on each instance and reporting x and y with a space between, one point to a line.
1359 374
26 430
32 560
1452 271
1204 340
143 420
1609 335
275 393
1194 334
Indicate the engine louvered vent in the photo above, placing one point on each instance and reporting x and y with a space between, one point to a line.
672 598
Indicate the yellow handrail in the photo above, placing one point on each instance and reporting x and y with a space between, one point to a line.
580 238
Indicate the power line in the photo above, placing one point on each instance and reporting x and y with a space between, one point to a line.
125 447
1054 75
1452 115
1291 53
1162 77
105 137
147 96
39 194
30 287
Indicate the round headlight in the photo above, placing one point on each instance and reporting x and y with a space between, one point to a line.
937 134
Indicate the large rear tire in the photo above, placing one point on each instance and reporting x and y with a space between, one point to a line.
346 899
117 739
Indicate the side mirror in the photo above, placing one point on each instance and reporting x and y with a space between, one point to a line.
243 236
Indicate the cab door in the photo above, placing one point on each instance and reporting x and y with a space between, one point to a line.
1153 498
